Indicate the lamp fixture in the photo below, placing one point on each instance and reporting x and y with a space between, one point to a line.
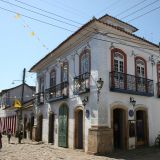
132 101
99 86
85 100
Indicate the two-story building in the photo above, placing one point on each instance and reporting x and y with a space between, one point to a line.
10 105
99 89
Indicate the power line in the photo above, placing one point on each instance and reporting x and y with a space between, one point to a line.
42 14
54 25
42 10
36 19
67 7
145 13
38 13
48 12
137 4
140 9
112 4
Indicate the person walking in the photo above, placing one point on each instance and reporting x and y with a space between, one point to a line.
0 140
20 135
9 134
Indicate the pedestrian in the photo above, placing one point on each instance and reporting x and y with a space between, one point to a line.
9 134
20 135
0 140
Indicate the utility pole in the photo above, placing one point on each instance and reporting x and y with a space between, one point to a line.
20 126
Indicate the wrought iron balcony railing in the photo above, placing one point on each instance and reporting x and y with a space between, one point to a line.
121 82
158 89
82 83
40 98
57 92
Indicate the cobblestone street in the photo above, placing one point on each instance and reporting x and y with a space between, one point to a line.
29 150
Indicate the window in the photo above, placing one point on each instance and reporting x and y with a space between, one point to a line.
64 72
140 68
118 61
118 67
53 78
85 62
41 84
141 74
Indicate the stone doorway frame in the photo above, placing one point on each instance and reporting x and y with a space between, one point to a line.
125 108
145 110
77 109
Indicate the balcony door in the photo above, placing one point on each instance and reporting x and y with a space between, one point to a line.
118 70
140 75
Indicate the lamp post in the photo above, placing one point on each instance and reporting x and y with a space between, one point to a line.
133 102
99 87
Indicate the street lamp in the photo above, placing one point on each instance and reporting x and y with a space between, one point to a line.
99 87
132 101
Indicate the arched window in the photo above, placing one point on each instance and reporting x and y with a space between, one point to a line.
64 72
141 74
118 61
85 61
118 68
140 68
53 78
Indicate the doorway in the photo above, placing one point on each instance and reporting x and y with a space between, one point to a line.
51 128
79 129
63 126
39 127
119 128
141 128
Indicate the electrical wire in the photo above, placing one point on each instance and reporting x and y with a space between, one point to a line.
37 20
47 12
132 7
144 14
38 13
50 23
140 9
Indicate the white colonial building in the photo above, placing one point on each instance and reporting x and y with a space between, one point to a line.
10 114
99 89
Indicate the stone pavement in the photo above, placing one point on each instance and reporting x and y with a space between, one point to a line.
29 150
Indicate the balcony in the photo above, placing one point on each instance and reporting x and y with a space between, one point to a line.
40 98
82 84
125 83
57 92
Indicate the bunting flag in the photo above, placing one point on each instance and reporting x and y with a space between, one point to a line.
32 33
17 103
18 16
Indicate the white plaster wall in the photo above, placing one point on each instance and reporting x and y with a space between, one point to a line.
100 112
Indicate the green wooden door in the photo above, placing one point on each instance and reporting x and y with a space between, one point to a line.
63 127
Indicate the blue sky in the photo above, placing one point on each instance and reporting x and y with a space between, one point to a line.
25 41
